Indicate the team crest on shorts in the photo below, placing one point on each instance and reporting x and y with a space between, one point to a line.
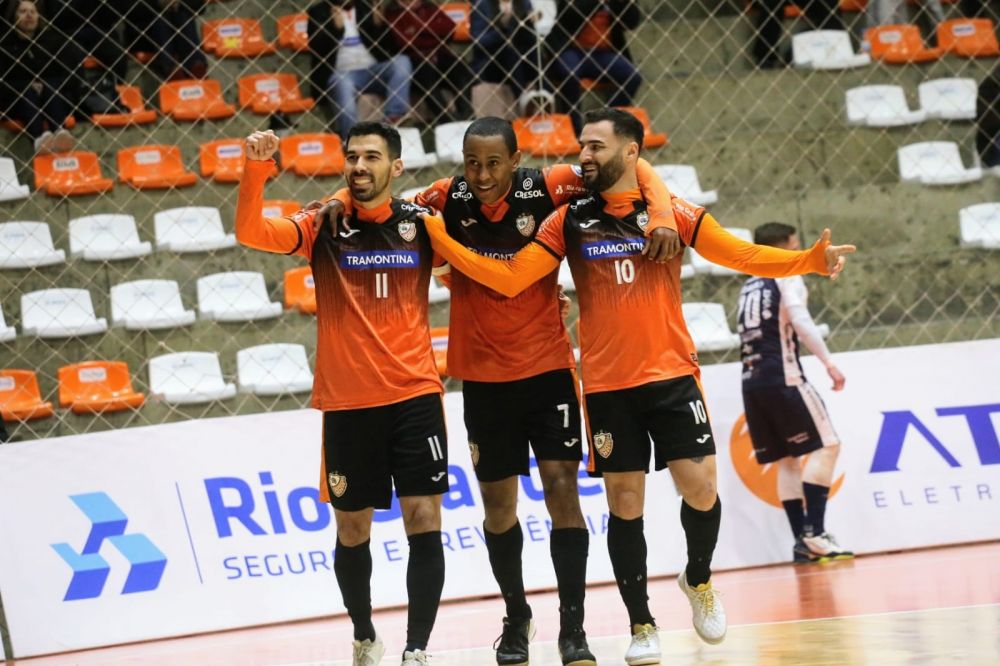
525 224
338 484
408 230
642 219
604 443
474 452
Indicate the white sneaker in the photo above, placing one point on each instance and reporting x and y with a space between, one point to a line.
416 658
825 547
645 646
368 652
707 614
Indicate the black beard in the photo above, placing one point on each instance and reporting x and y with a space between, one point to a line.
607 175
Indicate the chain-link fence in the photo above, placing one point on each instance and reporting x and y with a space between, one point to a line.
750 133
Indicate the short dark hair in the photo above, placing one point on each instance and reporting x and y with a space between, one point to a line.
773 233
623 123
384 130
493 126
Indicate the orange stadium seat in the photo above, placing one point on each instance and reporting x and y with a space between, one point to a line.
300 292
70 174
969 38
546 136
194 99
92 387
18 126
899 44
280 207
235 38
439 342
312 154
222 160
650 139
137 113
293 32
269 93
459 12
20 399
153 167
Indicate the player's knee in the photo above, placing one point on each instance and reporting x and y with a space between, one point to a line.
701 495
562 499
625 503
499 505
353 532
422 514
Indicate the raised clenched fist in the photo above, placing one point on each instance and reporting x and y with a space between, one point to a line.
262 145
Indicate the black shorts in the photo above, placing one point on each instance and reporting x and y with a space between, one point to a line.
621 423
368 451
786 421
503 418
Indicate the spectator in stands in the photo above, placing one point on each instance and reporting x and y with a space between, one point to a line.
822 14
422 29
988 119
980 9
40 82
353 52
767 51
894 12
4 436
169 30
505 44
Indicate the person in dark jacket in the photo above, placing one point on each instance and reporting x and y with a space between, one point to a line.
169 30
988 119
94 27
39 85
504 43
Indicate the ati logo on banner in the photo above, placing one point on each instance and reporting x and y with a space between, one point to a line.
90 570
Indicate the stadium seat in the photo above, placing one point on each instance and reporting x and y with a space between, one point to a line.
20 399
10 187
188 377
979 226
687 271
191 229
280 207
709 329
438 292
93 387
566 277
650 138
300 290
273 369
935 163
546 136
235 296
546 11
701 265
439 343
826 49
70 174
448 140
137 114
968 38
147 305
60 313
881 106
222 160
682 179
270 93
459 12
293 32
153 168
899 44
312 154
414 156
27 245
949 98
106 237
194 99
235 38
7 333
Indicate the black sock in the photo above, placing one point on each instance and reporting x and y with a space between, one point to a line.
627 549
424 581
569 547
815 506
505 559
353 567
796 516
701 529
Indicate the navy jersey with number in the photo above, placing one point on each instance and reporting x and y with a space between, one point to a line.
769 346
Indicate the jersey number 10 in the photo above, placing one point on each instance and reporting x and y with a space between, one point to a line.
749 305
624 271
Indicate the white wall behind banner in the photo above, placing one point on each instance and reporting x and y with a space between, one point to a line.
205 525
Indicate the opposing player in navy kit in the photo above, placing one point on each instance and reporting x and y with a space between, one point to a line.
786 417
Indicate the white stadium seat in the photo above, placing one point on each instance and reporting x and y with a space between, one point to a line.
188 377
881 106
438 293
826 49
414 156
707 324
148 305
191 229
235 296
448 140
687 271
948 99
700 264
935 163
27 245
979 226
60 313
10 188
682 179
566 277
106 238
7 333
273 369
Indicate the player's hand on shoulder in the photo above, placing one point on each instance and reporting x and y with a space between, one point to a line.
333 212
662 244
837 376
262 145
836 255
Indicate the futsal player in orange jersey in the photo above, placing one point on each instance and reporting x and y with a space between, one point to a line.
376 382
640 368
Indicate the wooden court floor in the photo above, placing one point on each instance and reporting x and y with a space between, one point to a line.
936 606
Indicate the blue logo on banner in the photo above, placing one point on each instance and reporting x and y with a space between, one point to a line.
90 570
379 259
625 247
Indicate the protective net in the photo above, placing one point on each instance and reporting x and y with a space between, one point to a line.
763 119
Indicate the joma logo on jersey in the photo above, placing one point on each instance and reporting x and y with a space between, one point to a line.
613 248
379 259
